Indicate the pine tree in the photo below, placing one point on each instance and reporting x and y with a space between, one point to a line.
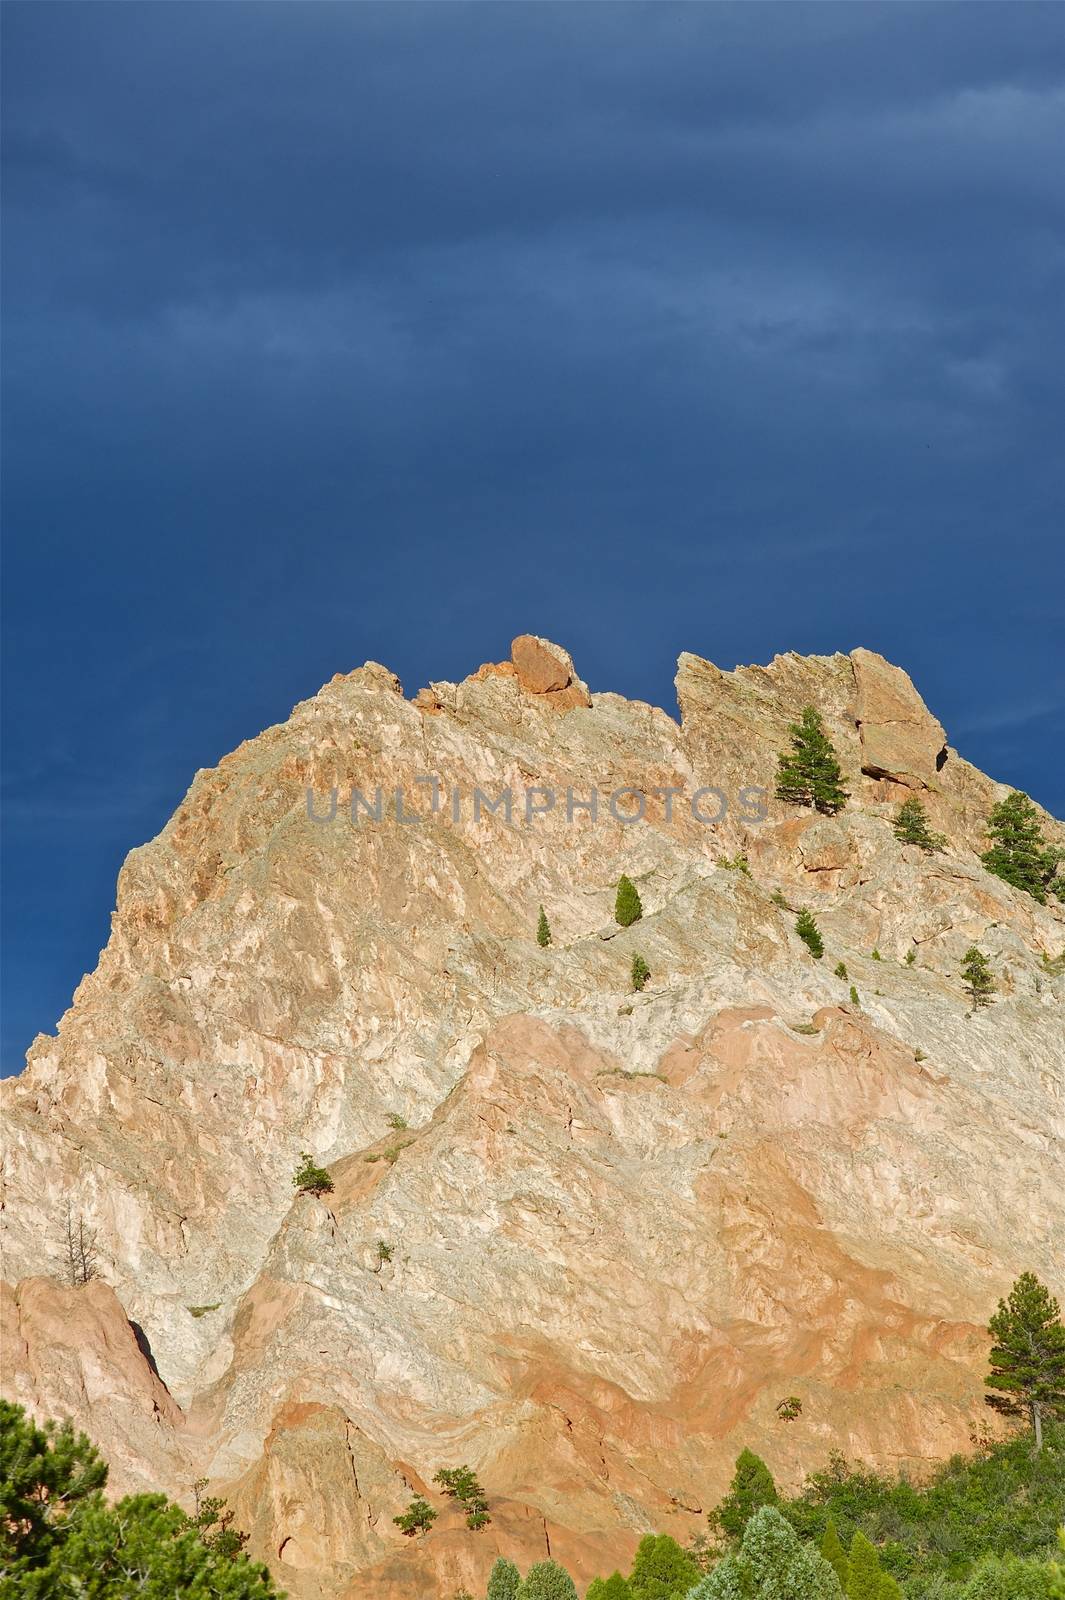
809 933
640 972
864 1574
543 930
976 970
59 1536
504 1580
889 1588
311 1179
1019 854
911 826
809 774
547 1581
770 1564
613 1588
627 907
752 1486
834 1553
1028 1358
661 1570
840 970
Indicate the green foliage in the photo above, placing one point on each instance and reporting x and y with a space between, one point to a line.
661 1570
613 1588
1019 854
396 1122
834 1553
504 1580
752 1486
384 1251
874 955
627 906
808 932
932 1538
911 826
976 970
1055 965
771 1564
1007 1578
640 972
854 996
787 1410
418 1517
736 864
201 1311
543 930
311 1179
840 970
809 774
863 1576
1028 1358
59 1537
911 956
778 899
547 1581
461 1484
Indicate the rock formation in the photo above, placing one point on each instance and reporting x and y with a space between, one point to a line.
617 1228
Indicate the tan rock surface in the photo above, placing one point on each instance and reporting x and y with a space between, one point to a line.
621 1226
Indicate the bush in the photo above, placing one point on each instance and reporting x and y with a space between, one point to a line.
462 1485
808 932
840 970
311 1179
854 996
627 907
384 1251
809 774
661 1570
543 930
640 972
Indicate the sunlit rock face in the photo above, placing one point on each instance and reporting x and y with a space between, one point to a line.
582 1238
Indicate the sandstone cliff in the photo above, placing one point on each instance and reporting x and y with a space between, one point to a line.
621 1226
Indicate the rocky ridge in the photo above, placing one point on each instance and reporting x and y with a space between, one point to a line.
621 1226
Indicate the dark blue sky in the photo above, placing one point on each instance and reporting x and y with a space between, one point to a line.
349 331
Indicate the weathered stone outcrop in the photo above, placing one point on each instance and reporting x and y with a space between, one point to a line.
617 1228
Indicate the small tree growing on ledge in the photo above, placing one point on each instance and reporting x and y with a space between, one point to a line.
1019 854
543 930
627 907
976 970
311 1179
418 1518
640 973
809 774
1028 1359
911 826
809 933
80 1254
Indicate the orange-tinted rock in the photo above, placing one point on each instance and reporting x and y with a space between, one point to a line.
900 737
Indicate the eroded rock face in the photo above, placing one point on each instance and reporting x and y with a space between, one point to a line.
617 1229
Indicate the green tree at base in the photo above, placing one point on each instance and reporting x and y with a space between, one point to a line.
976 970
627 907
809 773
1019 854
59 1537
771 1564
834 1553
661 1570
1028 1358
911 826
809 933
613 1588
547 1581
863 1570
504 1580
543 930
752 1486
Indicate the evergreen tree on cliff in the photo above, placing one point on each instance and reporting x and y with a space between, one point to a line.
504 1580
809 773
1028 1358
627 906
1019 854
